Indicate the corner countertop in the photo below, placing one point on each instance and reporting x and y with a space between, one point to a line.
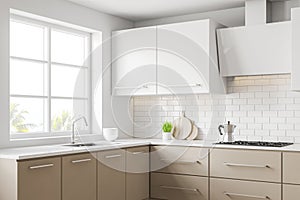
25 153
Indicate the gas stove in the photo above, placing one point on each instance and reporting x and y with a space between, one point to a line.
257 143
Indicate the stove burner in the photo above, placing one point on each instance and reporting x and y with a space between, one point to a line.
257 143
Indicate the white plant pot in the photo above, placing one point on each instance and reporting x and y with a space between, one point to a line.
166 136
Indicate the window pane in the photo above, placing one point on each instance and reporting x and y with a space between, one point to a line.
28 115
68 81
67 48
63 112
27 41
28 78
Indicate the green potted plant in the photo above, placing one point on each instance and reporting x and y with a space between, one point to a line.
166 131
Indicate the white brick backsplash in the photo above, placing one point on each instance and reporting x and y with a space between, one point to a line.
262 107
256 101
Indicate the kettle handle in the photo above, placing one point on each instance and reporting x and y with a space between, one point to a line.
220 131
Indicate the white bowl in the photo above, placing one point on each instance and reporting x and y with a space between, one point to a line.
110 134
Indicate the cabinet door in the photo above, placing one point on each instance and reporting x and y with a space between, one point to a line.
111 175
225 189
291 192
178 187
39 179
137 173
183 57
291 166
79 177
180 160
295 49
134 61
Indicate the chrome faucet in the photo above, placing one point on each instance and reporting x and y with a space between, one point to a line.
73 127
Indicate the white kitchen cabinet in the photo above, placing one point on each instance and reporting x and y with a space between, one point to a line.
178 58
187 58
256 50
134 61
295 49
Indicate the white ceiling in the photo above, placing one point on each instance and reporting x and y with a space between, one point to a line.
138 10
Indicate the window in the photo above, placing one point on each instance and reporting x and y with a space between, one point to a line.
49 77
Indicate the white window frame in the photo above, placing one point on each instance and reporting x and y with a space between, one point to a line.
48 61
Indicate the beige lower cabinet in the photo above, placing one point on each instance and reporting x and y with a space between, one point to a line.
180 160
225 189
291 192
178 187
79 177
39 179
246 164
111 175
137 173
291 166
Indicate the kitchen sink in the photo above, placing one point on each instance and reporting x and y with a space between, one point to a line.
80 145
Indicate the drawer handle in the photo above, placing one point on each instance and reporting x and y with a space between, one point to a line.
81 161
137 153
245 195
41 166
245 165
113 156
182 161
179 188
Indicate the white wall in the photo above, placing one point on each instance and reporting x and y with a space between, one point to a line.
229 17
64 11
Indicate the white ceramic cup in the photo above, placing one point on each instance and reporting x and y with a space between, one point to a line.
110 134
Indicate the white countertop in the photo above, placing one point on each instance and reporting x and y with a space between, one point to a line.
25 153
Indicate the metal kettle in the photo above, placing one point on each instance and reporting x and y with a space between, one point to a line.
227 128
227 134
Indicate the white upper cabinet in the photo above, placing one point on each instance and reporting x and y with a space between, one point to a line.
256 50
134 62
187 58
178 58
296 49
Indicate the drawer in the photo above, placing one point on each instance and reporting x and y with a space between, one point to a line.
180 160
291 166
224 189
291 192
178 187
246 164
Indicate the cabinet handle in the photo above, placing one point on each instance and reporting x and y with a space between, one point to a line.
183 162
245 195
81 161
139 152
179 188
245 165
113 156
41 166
